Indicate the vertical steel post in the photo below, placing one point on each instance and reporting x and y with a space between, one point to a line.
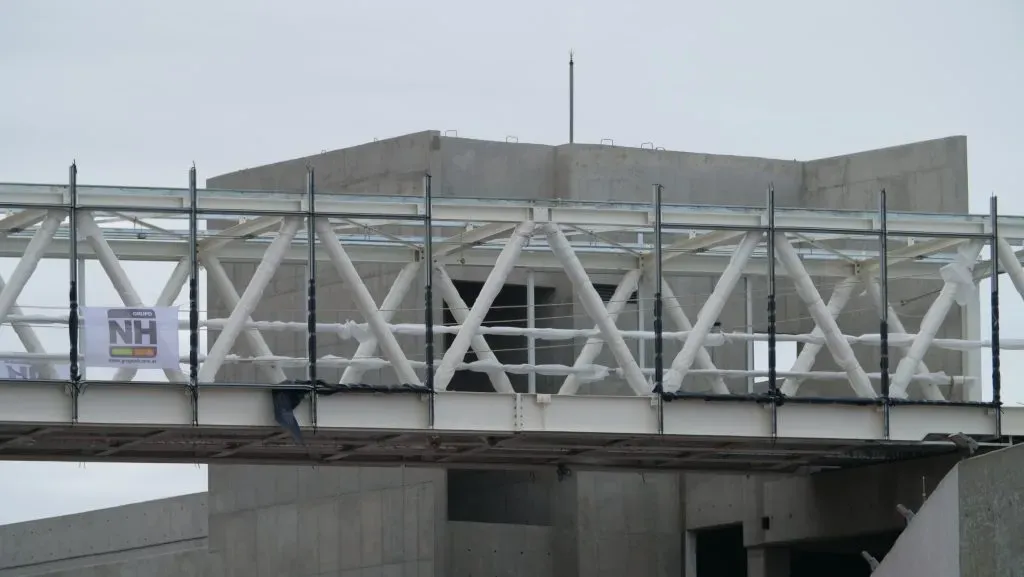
428 291
76 377
751 351
883 325
531 323
659 353
311 348
193 294
773 387
997 391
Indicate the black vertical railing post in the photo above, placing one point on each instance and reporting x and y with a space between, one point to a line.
773 388
311 348
997 389
73 312
428 290
883 323
193 293
659 343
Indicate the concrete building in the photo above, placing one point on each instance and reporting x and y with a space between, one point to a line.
363 521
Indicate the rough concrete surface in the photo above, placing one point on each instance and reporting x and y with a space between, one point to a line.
930 545
992 514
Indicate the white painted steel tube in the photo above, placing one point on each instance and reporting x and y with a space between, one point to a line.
367 348
250 299
841 294
837 344
27 263
703 360
711 310
29 338
460 310
364 302
594 345
930 390
1008 258
930 325
503 265
592 303
221 282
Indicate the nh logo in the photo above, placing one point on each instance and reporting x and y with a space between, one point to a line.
133 333
23 373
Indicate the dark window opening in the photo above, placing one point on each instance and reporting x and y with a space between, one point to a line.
508 309
720 552
839 557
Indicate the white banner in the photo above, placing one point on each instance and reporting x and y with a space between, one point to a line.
140 338
28 371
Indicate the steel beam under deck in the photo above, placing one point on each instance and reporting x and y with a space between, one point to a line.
152 423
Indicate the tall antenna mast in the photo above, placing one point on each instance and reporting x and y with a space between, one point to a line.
571 111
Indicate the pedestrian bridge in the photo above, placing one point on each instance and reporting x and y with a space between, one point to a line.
319 354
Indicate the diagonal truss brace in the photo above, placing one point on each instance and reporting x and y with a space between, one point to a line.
249 300
219 280
365 303
959 282
837 344
399 289
841 294
23 271
710 312
594 306
471 238
931 390
460 310
503 265
118 276
674 309
1011 264
593 347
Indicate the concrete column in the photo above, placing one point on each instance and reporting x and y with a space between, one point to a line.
767 562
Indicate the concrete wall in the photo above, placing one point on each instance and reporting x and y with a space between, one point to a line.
628 524
478 549
992 514
172 530
306 522
930 546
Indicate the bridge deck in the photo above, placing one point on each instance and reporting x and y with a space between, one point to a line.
154 423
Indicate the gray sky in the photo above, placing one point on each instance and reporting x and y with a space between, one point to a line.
138 91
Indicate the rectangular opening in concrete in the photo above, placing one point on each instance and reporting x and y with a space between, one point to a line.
508 309
839 557
720 552
512 497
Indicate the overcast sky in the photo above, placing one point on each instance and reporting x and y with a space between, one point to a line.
138 91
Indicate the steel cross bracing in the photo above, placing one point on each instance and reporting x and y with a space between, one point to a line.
673 415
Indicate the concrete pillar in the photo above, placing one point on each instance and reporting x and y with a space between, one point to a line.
767 562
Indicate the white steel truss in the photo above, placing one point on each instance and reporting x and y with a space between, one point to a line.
569 244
